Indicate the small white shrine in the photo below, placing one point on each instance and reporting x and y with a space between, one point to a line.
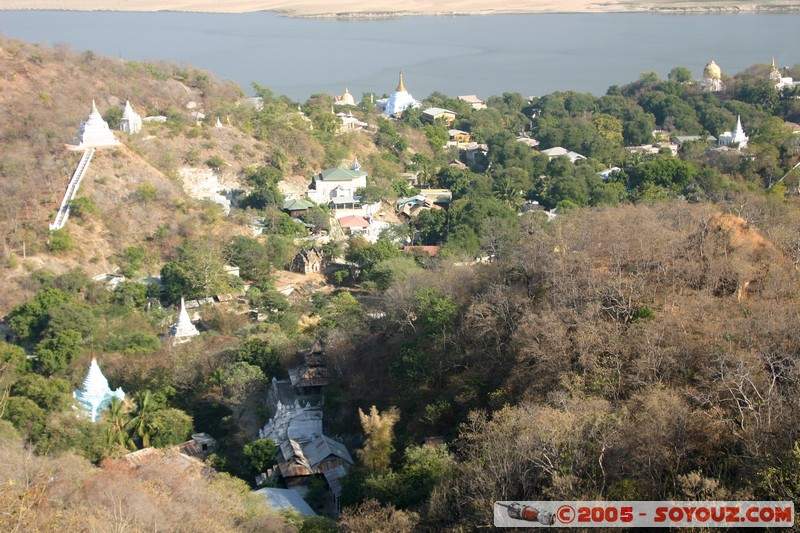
399 101
94 132
131 122
96 395
218 123
183 330
736 137
712 78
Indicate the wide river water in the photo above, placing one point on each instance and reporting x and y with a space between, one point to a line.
483 55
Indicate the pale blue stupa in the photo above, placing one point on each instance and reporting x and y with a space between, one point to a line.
398 101
95 395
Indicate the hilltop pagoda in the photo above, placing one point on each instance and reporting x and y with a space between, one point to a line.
95 394
399 101
94 132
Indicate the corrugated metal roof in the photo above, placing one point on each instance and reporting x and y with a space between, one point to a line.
286 500
322 447
334 478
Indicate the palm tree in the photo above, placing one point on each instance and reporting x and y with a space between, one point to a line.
508 191
141 425
117 417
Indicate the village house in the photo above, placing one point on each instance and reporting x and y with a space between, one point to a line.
458 138
411 207
432 114
295 207
528 141
558 151
473 100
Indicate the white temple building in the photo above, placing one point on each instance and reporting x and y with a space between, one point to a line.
712 78
96 395
131 122
344 99
781 82
94 132
736 137
399 101
183 330
338 185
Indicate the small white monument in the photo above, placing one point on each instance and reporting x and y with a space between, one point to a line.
218 124
94 132
736 138
131 122
96 395
183 330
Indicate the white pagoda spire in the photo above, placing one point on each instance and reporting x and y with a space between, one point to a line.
183 329
736 137
131 121
95 394
94 131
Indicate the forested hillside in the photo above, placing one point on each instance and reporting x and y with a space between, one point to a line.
554 331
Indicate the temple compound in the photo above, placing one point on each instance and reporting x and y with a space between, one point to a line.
131 122
398 101
295 406
95 394
779 80
712 78
183 330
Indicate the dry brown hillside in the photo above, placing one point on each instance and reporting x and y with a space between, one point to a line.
137 187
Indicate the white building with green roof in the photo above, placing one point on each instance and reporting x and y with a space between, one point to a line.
337 184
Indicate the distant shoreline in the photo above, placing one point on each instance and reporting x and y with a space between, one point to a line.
389 9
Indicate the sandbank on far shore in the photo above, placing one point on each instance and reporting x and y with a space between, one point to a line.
391 8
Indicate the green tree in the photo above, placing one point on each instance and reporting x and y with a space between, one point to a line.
54 353
260 455
130 294
172 427
117 417
256 351
142 426
251 257
342 312
51 394
29 320
680 75
199 271
240 380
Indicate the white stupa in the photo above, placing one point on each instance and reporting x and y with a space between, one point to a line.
131 122
399 101
218 124
737 136
183 330
96 395
94 132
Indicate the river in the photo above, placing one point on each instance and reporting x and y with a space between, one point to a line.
483 55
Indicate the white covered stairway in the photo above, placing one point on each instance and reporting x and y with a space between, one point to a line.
72 190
